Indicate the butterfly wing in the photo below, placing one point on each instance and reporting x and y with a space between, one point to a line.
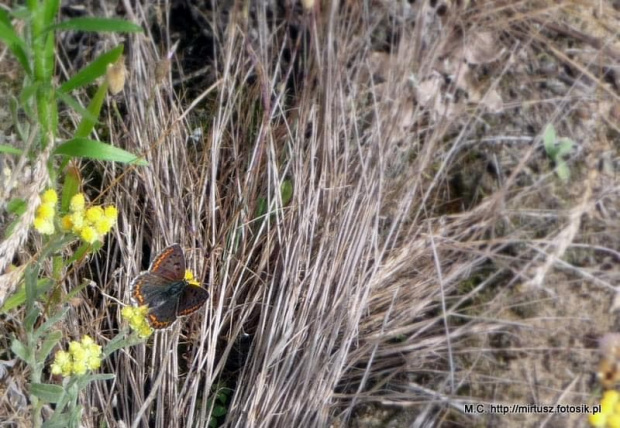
160 295
170 263
149 288
164 289
162 316
192 298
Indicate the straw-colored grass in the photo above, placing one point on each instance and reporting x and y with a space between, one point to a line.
401 254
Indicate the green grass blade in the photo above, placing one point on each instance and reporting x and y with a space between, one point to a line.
4 148
19 297
93 70
50 11
86 148
98 25
549 138
86 126
14 42
72 102
17 206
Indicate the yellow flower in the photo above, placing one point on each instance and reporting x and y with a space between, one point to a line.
66 222
609 401
103 225
82 356
613 421
77 202
136 317
77 220
62 363
111 213
598 420
189 277
92 353
44 219
94 213
89 234
50 197
43 226
46 211
87 341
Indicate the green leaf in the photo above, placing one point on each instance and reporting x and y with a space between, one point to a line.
20 350
92 71
86 126
4 148
11 228
21 128
50 323
17 206
19 297
79 253
563 171
69 395
549 138
30 280
86 379
119 341
28 92
565 145
70 188
32 315
54 246
98 25
86 148
72 102
48 344
50 11
4 17
17 46
85 283
286 192
59 420
261 208
47 392
218 411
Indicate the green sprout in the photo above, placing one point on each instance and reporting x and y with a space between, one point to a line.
557 149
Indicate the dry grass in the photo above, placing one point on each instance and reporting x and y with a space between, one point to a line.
402 255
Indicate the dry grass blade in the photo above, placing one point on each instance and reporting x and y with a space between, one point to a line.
422 204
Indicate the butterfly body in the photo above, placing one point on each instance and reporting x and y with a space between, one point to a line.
165 291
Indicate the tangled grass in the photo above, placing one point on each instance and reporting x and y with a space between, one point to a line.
378 281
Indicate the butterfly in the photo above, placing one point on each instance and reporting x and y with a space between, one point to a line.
165 291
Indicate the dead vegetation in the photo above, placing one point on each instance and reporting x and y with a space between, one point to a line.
429 256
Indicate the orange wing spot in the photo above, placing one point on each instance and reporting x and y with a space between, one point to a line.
156 323
161 258
191 310
138 295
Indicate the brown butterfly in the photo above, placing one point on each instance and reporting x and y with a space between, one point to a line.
165 291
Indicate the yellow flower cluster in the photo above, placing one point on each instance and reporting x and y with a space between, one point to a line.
137 320
44 217
189 277
609 417
91 224
82 356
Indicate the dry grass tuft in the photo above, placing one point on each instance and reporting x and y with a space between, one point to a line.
426 222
